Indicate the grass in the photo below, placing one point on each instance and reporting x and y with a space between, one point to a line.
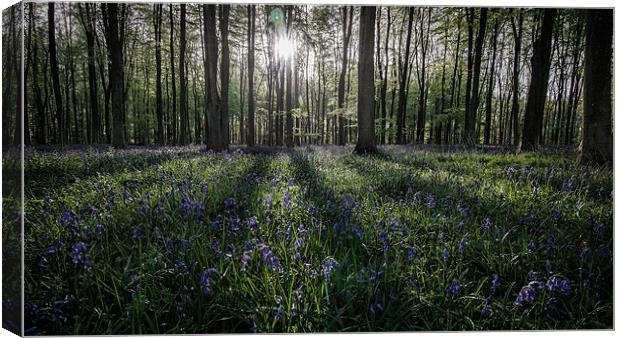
314 239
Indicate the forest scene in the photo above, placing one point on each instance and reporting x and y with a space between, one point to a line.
215 168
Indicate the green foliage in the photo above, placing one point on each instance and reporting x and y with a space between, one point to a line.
155 220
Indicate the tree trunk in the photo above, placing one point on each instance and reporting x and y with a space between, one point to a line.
60 118
537 93
403 76
159 108
347 24
487 122
251 39
597 142
366 82
224 73
470 114
517 32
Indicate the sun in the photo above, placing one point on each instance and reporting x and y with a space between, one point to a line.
285 47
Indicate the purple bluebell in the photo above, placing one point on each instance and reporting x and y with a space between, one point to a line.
79 256
270 258
486 310
413 251
598 228
556 214
431 204
603 251
328 265
454 288
495 283
561 284
446 253
206 280
487 223
462 243
287 200
585 253
532 275
459 227
527 294
531 247
230 203
279 313
245 260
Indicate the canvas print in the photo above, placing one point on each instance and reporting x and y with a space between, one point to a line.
193 168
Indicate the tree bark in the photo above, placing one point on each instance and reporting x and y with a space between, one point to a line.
60 117
537 93
366 82
470 114
597 142
251 137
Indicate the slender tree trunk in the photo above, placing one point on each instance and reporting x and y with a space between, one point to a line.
251 39
402 93
537 93
487 122
60 118
347 24
224 74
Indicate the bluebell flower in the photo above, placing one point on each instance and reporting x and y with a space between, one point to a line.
495 283
270 258
328 265
413 251
383 236
585 253
230 203
531 247
279 313
462 244
556 214
463 211
568 185
431 202
598 228
267 199
206 280
486 310
136 233
559 283
536 284
446 253
459 227
603 251
527 294
252 223
245 260
79 256
338 226
532 275
287 200
486 223
454 288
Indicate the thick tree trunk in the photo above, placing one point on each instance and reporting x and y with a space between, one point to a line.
537 93
366 82
470 114
214 134
597 142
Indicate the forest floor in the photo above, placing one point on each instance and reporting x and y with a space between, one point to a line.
313 239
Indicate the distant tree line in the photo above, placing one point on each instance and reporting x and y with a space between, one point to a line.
175 74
